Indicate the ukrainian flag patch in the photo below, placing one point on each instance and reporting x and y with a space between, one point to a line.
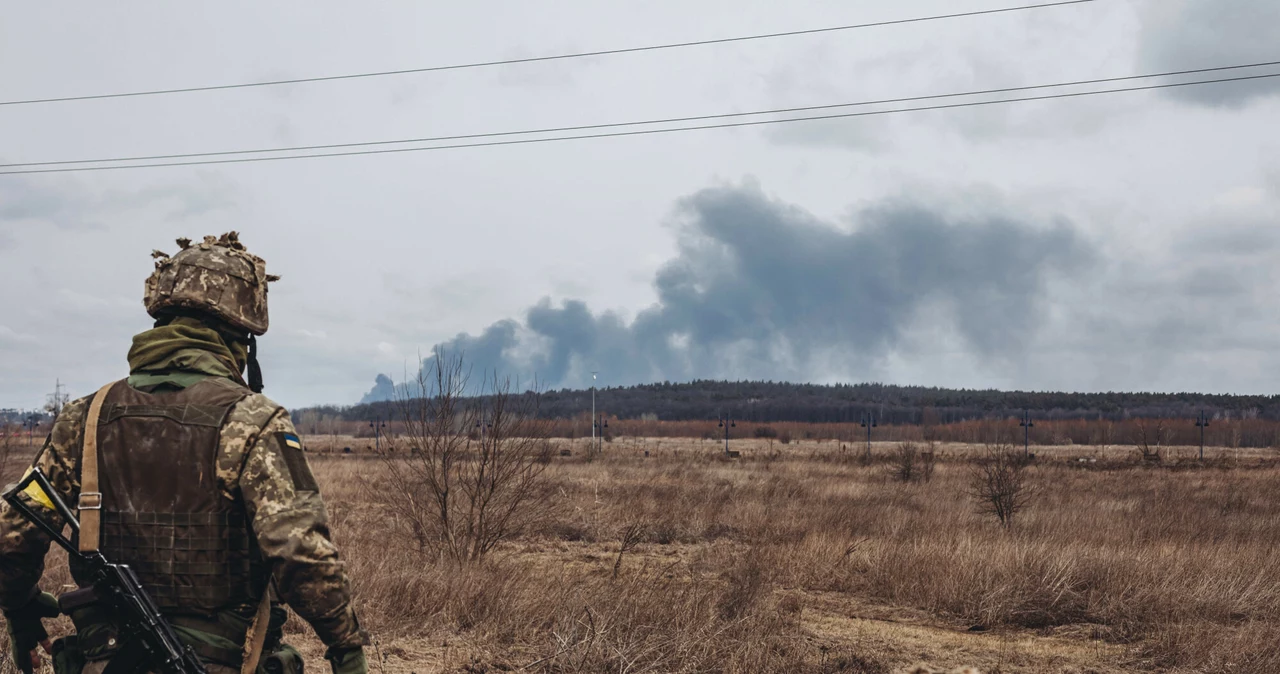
299 471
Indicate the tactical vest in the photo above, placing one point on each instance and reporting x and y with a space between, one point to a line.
163 512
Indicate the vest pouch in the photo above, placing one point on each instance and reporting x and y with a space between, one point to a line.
67 656
284 660
96 634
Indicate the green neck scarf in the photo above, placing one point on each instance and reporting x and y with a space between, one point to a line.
187 345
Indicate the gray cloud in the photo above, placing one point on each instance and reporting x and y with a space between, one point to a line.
1181 34
477 235
69 206
762 289
26 202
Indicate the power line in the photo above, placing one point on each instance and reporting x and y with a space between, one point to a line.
618 134
536 59
667 120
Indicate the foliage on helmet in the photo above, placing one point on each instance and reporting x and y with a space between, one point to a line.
217 276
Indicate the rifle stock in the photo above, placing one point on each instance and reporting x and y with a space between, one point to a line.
155 646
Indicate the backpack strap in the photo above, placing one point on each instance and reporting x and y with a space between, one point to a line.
90 505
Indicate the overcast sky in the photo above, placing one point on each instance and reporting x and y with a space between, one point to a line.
1116 242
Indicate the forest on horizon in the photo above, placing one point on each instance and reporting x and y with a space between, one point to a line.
767 401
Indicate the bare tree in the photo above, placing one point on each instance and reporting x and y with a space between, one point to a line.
999 484
1149 439
460 493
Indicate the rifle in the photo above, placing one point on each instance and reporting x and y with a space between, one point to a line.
149 642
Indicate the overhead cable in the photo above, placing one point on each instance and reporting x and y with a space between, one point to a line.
642 132
645 122
537 59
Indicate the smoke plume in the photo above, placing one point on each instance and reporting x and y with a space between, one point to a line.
761 289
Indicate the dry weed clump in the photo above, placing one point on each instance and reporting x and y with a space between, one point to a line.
999 483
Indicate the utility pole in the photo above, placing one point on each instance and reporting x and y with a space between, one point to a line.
868 422
599 424
30 424
1026 425
377 425
1203 423
56 399
593 408
726 422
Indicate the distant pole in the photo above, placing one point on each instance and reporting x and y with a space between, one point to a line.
1203 423
868 422
377 425
30 423
57 397
726 422
593 407
600 423
1026 432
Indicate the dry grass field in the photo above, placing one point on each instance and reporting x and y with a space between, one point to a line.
805 557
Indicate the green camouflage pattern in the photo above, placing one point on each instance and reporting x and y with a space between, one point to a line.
22 545
292 526
217 276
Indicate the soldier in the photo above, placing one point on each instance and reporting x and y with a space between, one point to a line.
188 474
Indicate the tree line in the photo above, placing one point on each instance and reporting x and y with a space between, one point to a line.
767 401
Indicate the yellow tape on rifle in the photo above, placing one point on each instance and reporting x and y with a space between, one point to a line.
36 493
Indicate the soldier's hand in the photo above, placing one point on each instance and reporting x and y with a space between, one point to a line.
33 660
26 629
347 661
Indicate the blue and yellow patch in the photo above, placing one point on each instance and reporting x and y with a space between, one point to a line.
291 450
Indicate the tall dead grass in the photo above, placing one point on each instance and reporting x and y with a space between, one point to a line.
726 563
1177 565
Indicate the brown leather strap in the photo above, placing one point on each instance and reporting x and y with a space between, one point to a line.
90 505
257 636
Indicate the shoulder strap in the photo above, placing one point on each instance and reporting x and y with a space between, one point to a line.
256 637
90 505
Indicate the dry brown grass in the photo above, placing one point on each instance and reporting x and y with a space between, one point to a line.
805 559
811 561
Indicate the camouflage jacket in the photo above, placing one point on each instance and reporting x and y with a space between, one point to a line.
291 524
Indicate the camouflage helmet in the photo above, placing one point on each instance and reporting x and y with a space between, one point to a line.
217 276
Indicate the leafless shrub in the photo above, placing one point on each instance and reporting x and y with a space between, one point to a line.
460 497
999 484
631 536
748 582
10 435
1149 437
904 466
928 460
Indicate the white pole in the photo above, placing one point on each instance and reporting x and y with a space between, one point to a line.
593 413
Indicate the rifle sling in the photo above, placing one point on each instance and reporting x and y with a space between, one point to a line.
90 505
256 639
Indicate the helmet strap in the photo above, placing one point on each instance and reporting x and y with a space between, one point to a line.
255 370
